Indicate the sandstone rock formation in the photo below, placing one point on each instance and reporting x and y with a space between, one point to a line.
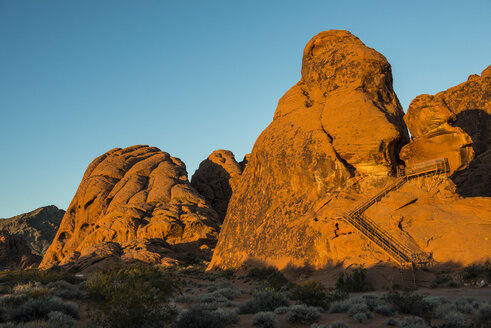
15 252
215 179
38 228
334 143
456 124
340 120
133 204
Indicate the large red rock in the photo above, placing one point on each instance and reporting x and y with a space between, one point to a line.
15 252
455 124
341 120
215 179
137 198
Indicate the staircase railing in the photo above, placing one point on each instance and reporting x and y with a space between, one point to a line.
402 254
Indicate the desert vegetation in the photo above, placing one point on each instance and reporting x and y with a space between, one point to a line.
186 297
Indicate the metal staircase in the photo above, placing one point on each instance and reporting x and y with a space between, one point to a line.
404 255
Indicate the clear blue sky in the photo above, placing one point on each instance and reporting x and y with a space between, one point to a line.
78 78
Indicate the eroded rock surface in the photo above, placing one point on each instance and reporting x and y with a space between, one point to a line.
455 124
341 120
15 253
215 179
38 228
137 198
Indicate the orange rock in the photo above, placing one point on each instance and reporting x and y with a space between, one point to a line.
136 193
340 120
455 124
215 179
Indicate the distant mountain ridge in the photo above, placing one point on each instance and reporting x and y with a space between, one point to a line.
37 227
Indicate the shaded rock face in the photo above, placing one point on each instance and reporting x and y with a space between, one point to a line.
456 124
127 198
15 252
215 179
38 228
341 120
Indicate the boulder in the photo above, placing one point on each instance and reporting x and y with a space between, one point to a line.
136 198
341 121
455 124
215 179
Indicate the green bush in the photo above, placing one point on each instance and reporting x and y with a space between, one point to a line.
265 320
339 306
303 313
392 322
131 296
482 317
454 319
270 276
310 292
60 319
64 289
412 322
409 303
198 318
338 324
474 270
361 317
15 277
264 301
228 317
39 308
353 282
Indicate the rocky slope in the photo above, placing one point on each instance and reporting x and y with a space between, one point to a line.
15 253
334 142
38 228
133 204
216 177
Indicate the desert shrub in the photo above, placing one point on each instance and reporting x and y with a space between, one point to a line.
385 310
454 319
212 298
265 320
219 284
131 296
392 322
358 308
198 318
467 305
60 319
318 325
228 293
443 309
303 313
412 322
281 309
64 289
334 296
361 317
39 308
186 298
228 317
474 270
440 281
31 324
271 277
338 324
264 301
14 277
482 317
352 282
13 300
310 292
339 306
409 303
435 301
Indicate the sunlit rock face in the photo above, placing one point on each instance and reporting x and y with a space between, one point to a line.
341 120
137 198
216 177
455 124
